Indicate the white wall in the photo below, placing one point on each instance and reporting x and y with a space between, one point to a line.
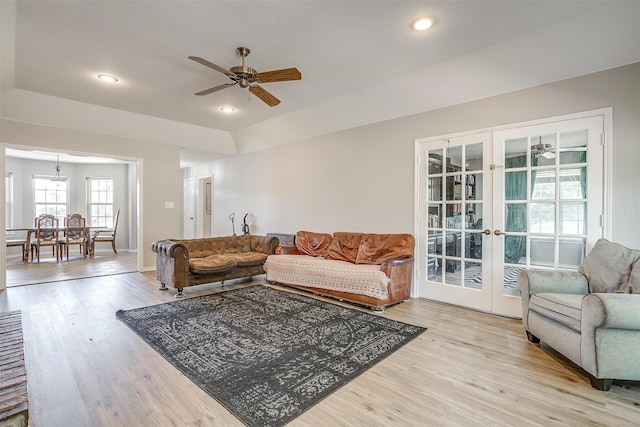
159 172
363 179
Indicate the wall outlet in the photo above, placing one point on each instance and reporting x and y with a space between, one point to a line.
169 205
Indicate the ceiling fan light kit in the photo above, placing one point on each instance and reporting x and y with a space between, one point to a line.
247 77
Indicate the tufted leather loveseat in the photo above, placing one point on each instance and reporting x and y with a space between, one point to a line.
189 262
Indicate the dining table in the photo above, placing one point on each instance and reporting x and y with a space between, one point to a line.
61 229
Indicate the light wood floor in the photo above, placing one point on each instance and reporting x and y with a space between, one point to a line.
104 263
85 368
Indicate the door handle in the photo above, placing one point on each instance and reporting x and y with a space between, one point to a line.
486 232
498 233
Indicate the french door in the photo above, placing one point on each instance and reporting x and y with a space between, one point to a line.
490 204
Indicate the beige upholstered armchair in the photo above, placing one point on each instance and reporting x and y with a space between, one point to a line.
591 316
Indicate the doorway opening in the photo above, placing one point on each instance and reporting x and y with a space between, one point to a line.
22 166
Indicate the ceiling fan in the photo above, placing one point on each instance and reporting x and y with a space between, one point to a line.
247 77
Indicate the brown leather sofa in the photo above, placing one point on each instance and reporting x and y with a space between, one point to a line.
339 266
190 262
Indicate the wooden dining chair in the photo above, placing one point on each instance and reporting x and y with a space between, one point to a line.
46 235
75 233
105 235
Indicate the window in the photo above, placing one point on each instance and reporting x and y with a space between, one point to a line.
100 199
50 197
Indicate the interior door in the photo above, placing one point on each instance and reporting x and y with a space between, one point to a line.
548 201
454 250
188 208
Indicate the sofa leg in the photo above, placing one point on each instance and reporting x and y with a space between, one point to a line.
377 310
163 287
534 339
602 384
179 294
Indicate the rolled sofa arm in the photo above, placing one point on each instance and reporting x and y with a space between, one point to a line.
172 263
611 314
400 272
287 250
168 248
611 310
551 281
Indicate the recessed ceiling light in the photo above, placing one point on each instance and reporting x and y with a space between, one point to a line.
422 24
227 109
107 78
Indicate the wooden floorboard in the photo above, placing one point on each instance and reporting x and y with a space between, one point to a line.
86 368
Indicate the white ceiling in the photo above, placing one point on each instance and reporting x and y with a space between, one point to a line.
360 62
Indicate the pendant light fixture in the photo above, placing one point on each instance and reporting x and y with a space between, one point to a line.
57 177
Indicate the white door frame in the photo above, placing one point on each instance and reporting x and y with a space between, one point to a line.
204 207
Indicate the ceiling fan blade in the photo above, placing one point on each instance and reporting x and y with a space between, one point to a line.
265 96
210 65
214 89
283 75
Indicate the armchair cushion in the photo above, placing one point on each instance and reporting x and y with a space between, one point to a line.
608 267
563 308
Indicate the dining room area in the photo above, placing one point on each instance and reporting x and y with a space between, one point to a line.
68 216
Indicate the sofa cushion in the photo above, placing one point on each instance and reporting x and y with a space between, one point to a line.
248 259
563 308
211 264
344 246
314 244
608 267
374 248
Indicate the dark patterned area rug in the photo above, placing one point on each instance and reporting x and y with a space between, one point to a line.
267 355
